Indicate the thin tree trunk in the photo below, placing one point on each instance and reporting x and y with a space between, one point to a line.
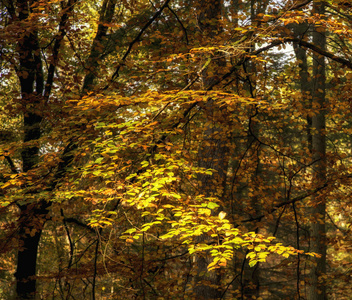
212 155
300 31
213 152
250 279
316 286
92 63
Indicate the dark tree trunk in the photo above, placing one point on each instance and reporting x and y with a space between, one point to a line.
33 214
32 221
29 73
316 285
300 32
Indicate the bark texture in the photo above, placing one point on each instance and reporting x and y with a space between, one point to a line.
316 286
30 226
34 94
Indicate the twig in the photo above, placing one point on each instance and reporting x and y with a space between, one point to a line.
183 27
136 39
12 165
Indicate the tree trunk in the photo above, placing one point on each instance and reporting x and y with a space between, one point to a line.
316 286
250 277
33 95
300 31
28 73
92 63
212 153
32 219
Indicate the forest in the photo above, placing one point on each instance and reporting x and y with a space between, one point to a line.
175 149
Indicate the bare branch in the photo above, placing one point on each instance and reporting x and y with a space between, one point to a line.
58 41
292 201
12 165
137 39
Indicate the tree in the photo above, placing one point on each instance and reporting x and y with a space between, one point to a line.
318 231
34 94
148 147
213 148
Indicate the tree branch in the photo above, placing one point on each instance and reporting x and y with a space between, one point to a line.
136 39
57 45
106 15
292 201
299 5
179 21
276 43
66 160
318 50
79 223
12 165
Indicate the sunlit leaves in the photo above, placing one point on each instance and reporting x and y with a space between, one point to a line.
129 160
135 179
100 218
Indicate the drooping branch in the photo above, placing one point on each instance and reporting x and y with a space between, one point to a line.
308 45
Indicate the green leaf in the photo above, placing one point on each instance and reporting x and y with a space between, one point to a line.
99 160
252 263
212 205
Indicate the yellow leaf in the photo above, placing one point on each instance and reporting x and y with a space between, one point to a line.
222 262
222 215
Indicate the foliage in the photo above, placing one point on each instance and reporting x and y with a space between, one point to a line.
138 138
